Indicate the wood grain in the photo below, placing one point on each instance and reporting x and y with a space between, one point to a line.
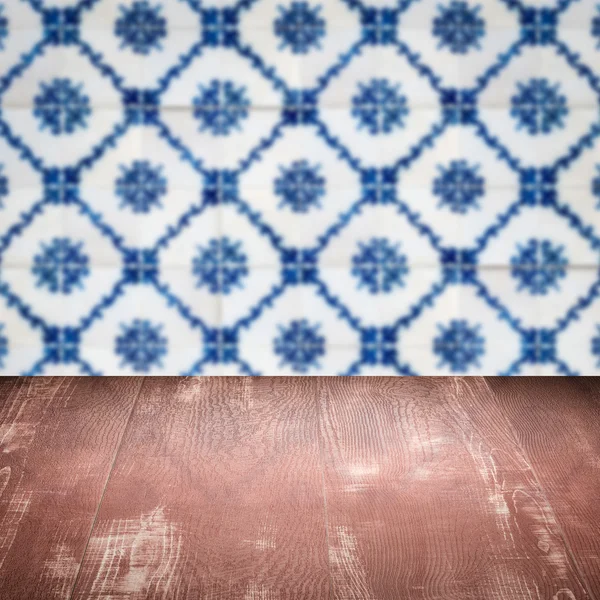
429 497
557 422
216 493
58 438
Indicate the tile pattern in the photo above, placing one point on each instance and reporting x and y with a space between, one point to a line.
275 186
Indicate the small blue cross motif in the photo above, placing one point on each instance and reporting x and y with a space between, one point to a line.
61 266
379 107
595 186
3 346
221 107
221 266
141 27
4 189
300 186
141 345
379 266
538 107
596 26
3 27
300 345
596 345
459 27
538 266
141 186
300 27
459 186
62 107
459 345
61 345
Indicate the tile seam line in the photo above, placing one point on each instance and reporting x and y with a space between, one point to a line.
319 387
573 558
109 475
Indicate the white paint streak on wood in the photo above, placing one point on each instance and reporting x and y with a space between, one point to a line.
347 569
60 571
17 507
564 594
259 592
361 476
4 479
16 436
136 558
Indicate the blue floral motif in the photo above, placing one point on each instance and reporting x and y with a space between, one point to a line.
595 186
3 186
300 27
538 266
459 345
141 27
300 186
141 186
141 345
3 27
379 106
300 345
221 267
596 346
62 107
61 266
538 107
220 107
596 26
459 186
379 266
459 27
3 346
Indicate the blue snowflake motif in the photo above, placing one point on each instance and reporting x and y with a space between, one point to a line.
459 27
3 27
300 186
3 186
220 107
538 107
379 106
141 27
61 266
141 345
538 266
300 345
3 346
141 186
595 186
596 26
300 27
62 107
379 266
221 266
459 345
596 346
459 186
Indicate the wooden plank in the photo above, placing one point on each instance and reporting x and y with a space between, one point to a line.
557 421
216 493
427 498
58 439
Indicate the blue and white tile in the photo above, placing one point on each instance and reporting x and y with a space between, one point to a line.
300 187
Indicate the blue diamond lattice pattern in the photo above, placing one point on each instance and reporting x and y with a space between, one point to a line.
180 195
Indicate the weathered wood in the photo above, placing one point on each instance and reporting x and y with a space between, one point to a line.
428 497
58 439
216 493
557 422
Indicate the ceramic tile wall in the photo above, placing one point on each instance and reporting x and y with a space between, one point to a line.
275 186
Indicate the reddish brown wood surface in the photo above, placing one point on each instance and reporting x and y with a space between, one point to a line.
58 438
427 498
216 493
271 488
557 422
